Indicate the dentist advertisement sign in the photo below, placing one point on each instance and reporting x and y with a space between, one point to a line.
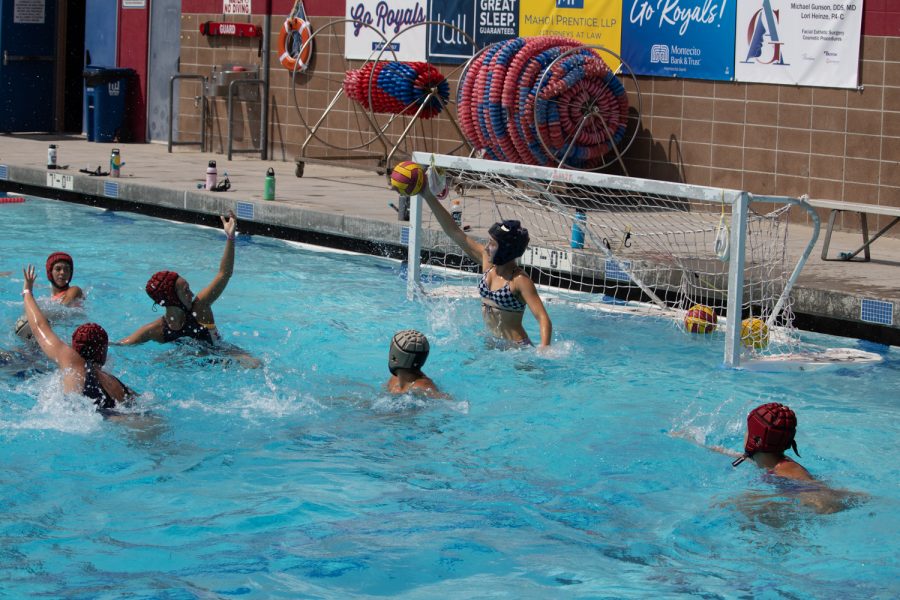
799 42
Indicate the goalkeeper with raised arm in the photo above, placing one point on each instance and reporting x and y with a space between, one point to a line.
505 288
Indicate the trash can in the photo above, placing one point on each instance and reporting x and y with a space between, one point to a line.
104 100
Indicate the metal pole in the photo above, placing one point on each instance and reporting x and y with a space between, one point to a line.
266 47
413 268
738 242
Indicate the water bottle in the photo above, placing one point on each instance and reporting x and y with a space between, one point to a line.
269 187
456 211
578 228
211 175
115 163
51 156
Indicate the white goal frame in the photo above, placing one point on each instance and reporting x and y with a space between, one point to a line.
738 201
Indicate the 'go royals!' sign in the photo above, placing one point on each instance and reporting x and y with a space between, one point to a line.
679 38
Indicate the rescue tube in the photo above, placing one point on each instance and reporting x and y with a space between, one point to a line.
294 36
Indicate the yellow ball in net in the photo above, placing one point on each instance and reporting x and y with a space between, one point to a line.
700 319
408 178
754 333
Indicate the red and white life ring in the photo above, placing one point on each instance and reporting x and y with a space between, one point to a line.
294 54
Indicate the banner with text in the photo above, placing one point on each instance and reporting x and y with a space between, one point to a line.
592 22
679 38
388 17
484 21
446 44
798 43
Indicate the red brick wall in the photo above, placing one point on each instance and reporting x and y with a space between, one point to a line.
881 17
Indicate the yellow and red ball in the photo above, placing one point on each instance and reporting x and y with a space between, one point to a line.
700 319
408 178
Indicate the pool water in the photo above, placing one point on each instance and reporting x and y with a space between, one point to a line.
544 476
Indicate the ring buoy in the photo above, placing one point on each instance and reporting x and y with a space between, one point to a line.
294 37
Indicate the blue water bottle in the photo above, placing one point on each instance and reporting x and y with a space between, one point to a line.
578 228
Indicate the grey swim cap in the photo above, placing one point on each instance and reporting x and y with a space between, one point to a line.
23 329
409 350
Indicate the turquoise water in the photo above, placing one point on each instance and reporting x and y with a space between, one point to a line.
544 476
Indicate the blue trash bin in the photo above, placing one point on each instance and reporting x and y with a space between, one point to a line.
104 100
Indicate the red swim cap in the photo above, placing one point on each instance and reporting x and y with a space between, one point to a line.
59 257
161 288
91 342
771 428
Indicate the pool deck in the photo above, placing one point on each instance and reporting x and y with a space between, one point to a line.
333 205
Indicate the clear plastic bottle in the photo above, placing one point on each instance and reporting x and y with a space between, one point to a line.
51 156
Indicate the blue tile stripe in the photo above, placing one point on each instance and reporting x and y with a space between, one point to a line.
404 236
244 210
110 189
617 270
876 311
4 172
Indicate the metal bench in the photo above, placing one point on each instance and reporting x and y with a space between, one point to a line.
862 210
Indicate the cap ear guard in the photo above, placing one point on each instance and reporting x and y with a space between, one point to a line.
512 240
409 350
23 329
161 288
91 342
770 428
59 257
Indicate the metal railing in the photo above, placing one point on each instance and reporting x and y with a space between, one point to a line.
232 87
201 98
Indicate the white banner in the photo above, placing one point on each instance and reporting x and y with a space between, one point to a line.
236 7
806 42
388 17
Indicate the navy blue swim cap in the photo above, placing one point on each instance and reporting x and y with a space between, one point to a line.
512 240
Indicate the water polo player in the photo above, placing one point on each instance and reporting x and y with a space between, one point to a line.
408 353
59 268
771 429
81 362
186 315
505 288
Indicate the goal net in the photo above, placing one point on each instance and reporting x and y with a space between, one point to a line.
709 260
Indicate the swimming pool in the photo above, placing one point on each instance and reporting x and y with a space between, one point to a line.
544 477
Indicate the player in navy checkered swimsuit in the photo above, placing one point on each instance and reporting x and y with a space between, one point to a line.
505 288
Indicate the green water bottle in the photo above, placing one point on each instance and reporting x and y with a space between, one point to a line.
269 188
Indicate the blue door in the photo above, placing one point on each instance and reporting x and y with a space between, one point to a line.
27 65
101 25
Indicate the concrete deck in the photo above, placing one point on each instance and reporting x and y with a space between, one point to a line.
330 203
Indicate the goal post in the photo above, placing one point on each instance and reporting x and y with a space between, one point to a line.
665 249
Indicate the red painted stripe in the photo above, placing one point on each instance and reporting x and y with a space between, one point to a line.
884 22
134 35
280 8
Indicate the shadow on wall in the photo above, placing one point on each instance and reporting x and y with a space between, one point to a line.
648 158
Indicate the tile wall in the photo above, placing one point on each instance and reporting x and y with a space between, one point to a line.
768 139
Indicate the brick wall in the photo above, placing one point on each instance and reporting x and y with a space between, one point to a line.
768 139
